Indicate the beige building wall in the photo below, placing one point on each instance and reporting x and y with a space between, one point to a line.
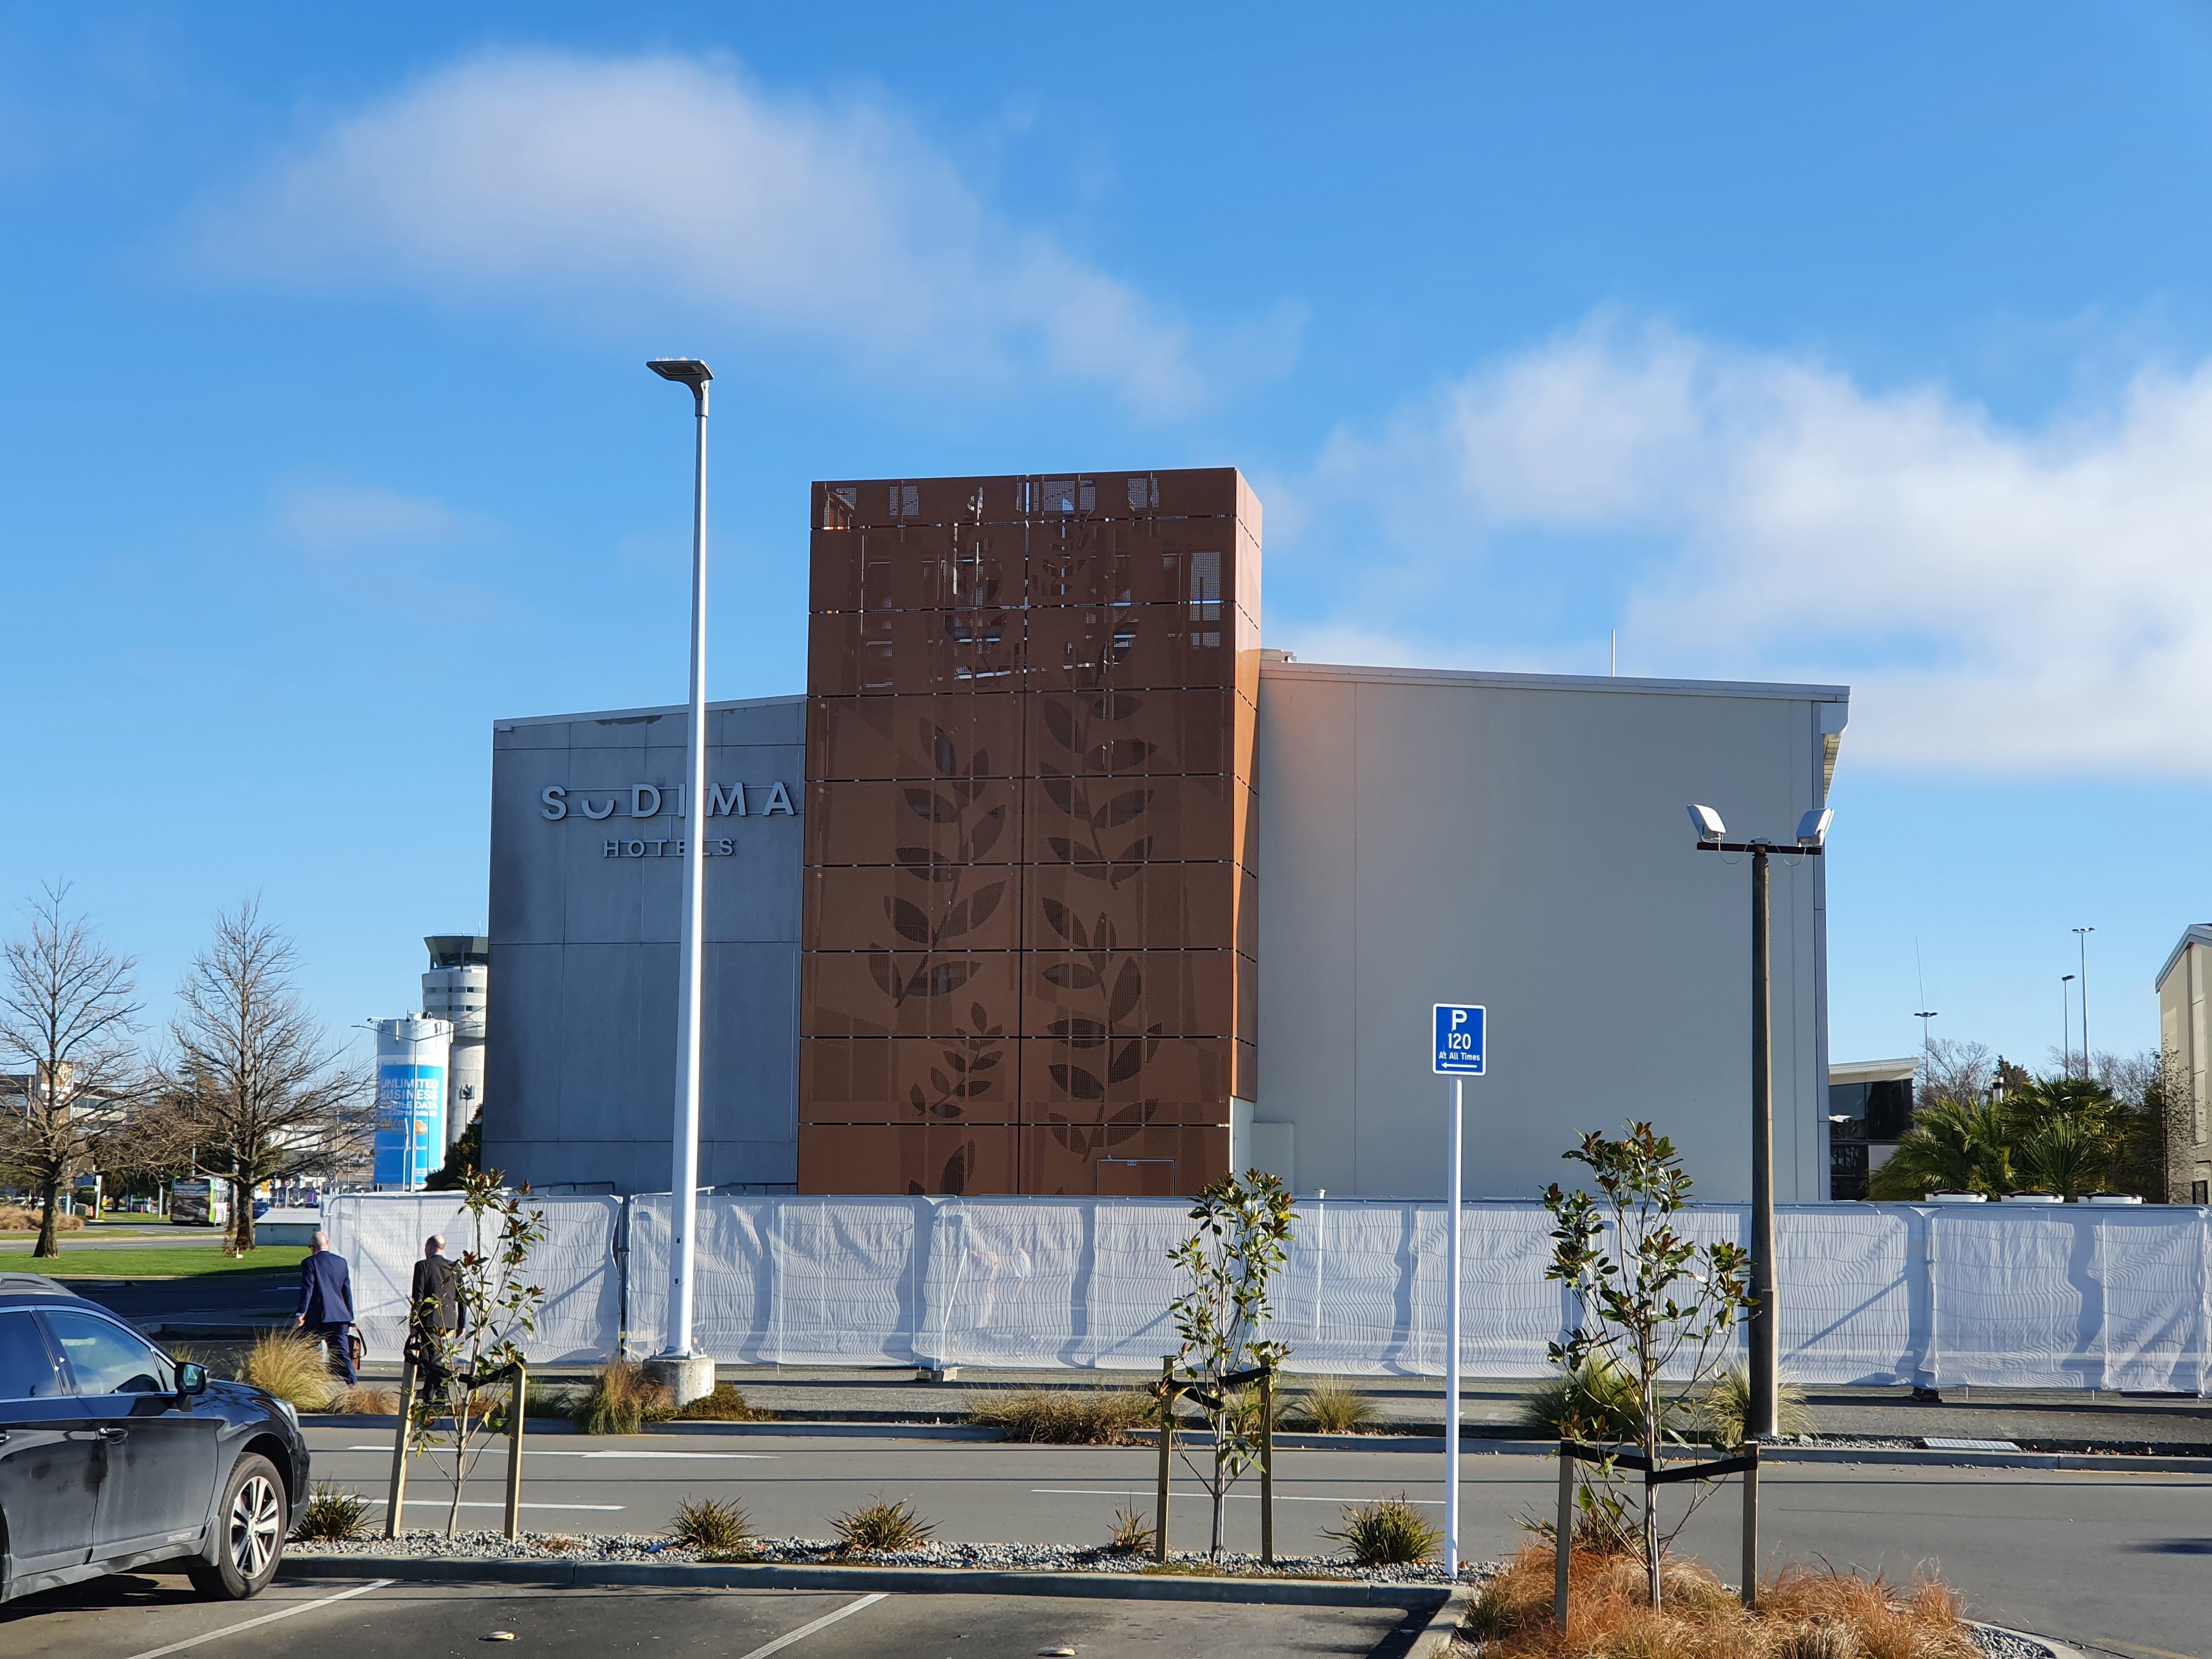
2186 1035
1522 841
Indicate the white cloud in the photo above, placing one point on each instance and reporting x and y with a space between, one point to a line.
663 182
2000 598
328 518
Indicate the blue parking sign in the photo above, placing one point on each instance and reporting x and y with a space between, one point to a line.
1459 1039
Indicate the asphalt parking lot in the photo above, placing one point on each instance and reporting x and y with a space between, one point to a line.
140 1617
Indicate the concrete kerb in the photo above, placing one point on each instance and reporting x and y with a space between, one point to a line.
1430 1599
1431 1445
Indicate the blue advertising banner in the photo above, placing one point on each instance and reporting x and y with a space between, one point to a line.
411 1123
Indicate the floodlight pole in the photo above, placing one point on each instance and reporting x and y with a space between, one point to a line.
684 1176
2083 933
1761 1422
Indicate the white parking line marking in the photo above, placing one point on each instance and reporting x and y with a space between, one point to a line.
783 1642
1198 1497
541 1451
266 1618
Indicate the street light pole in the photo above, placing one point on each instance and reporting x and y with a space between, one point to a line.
2065 1022
2083 933
676 1364
1762 1422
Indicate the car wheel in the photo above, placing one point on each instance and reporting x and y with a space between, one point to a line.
251 1522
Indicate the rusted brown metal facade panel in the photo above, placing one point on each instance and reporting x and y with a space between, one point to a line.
1031 927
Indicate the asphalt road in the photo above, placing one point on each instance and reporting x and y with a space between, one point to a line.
2114 1560
137 1617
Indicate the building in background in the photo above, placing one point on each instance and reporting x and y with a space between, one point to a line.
2185 1039
410 1101
456 990
1869 1108
1055 882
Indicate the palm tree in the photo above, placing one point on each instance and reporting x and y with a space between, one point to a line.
2064 1155
1950 1148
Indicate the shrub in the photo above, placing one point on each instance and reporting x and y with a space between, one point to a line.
1132 1535
725 1404
14 1218
549 1399
359 1401
292 1368
1067 1416
1726 1406
1803 1614
622 1400
713 1524
1387 1534
876 1525
1597 1399
1335 1407
330 1515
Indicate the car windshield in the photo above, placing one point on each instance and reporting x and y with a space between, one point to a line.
104 1358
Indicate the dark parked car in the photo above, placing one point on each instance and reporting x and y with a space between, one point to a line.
112 1456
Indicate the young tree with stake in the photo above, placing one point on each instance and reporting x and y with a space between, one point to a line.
1242 1240
1651 1301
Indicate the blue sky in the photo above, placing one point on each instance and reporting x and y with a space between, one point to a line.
1868 346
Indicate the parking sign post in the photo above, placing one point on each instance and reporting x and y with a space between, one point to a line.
1458 1054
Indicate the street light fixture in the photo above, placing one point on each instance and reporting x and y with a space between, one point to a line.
689 1377
1761 1422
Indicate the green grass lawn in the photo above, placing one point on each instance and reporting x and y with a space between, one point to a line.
125 1261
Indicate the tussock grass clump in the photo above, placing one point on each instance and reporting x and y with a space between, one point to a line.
1067 1416
1387 1534
331 1515
1803 1614
1598 1398
1132 1534
549 1399
14 1218
725 1404
876 1525
292 1368
361 1401
622 1400
1727 1405
714 1524
1335 1407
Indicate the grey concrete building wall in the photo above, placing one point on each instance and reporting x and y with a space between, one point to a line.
581 1072
1521 841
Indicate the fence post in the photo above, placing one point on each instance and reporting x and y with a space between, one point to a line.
1167 1450
1267 1466
396 1497
515 1412
1750 1526
1564 1540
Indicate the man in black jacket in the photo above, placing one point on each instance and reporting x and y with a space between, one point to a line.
434 1309
325 1309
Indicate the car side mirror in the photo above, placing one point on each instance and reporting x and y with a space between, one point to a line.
191 1378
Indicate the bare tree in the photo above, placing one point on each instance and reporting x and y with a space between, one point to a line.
252 1084
1960 1073
66 1013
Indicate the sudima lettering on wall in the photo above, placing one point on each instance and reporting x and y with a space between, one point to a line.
1030 927
650 800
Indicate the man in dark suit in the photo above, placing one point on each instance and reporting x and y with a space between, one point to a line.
434 1309
326 1304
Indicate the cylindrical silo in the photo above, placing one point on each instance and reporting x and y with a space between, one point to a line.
457 990
411 1056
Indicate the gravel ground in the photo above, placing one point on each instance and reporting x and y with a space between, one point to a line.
809 1552
2003 1645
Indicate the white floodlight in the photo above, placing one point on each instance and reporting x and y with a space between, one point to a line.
1707 823
1813 828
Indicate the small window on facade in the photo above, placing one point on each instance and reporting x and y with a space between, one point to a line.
2200 1191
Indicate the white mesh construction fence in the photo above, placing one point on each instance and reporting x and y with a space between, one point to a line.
2078 1296
381 1238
